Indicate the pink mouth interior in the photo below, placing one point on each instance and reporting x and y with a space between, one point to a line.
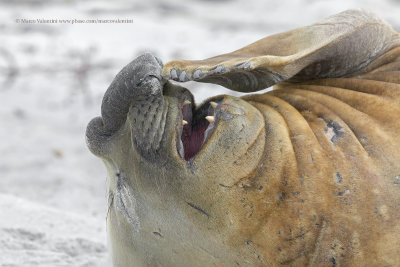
192 134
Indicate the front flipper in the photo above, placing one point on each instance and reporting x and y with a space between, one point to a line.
339 46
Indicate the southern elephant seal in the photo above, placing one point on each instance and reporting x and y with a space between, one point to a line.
307 174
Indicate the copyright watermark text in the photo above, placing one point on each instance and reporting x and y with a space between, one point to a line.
73 21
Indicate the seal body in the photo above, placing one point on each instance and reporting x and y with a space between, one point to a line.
305 175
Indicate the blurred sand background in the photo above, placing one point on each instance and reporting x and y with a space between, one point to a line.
53 77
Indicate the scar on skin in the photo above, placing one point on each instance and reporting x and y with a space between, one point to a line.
198 209
334 131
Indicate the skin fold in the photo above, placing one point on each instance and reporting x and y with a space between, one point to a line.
307 174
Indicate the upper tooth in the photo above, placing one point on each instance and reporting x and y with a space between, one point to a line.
184 122
210 119
213 104
186 102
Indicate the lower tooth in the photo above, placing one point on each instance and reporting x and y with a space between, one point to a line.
184 122
210 119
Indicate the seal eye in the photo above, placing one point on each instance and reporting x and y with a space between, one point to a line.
198 127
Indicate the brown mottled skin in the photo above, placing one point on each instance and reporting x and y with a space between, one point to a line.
305 175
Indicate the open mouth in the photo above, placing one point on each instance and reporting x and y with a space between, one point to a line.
197 125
